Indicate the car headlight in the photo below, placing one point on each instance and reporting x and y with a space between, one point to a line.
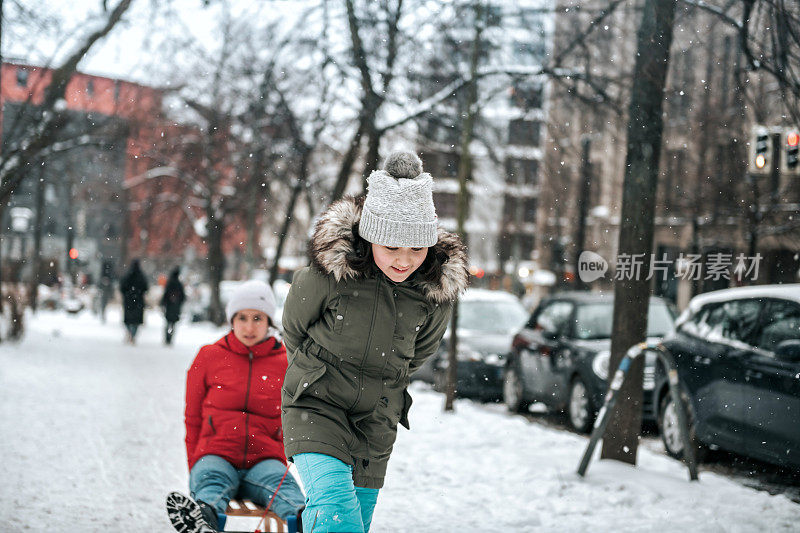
493 359
600 364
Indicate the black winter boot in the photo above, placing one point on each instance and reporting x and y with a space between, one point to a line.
209 514
189 516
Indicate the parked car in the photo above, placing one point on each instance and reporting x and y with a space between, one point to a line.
561 356
487 320
738 357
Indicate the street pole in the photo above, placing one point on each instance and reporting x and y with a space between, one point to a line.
464 171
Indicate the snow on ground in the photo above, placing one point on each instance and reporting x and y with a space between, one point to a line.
92 439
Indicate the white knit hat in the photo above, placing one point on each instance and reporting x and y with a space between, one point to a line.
399 208
253 294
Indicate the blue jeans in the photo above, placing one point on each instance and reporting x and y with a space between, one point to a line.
215 481
333 503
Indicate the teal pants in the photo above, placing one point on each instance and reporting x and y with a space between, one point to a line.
333 503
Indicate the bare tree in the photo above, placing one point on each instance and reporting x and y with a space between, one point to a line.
34 135
40 131
631 294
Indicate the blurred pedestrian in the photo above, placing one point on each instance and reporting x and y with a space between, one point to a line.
133 287
104 292
234 440
171 303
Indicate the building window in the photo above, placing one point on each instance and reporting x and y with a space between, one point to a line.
519 210
524 132
446 204
441 164
116 91
680 98
22 77
438 130
510 214
526 96
516 246
675 176
90 88
522 171
530 206
530 53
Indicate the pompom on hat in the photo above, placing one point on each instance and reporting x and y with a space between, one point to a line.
253 294
399 210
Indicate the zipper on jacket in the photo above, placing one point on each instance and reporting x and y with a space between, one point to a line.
246 414
369 343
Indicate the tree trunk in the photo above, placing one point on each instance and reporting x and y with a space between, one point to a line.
216 266
464 171
631 296
373 144
287 221
347 162
583 207
37 243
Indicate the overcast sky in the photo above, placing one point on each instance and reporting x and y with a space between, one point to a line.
136 48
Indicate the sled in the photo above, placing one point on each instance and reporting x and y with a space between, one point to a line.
244 515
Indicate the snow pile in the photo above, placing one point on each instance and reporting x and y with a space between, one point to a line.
93 439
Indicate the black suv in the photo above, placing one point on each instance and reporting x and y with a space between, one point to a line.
560 357
738 357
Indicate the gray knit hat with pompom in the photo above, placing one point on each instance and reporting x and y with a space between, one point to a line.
399 211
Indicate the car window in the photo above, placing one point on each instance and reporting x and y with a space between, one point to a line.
782 324
554 317
660 319
595 320
735 320
491 316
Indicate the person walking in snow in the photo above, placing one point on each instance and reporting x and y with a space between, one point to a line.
371 308
233 425
133 287
171 302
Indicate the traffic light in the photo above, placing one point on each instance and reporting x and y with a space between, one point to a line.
791 162
761 151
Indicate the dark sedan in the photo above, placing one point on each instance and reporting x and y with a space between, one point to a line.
487 320
561 356
738 357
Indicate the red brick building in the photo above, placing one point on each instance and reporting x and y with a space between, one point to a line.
101 199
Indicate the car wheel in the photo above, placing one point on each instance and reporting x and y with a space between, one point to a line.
670 430
513 391
580 409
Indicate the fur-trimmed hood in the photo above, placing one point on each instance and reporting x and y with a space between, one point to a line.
333 246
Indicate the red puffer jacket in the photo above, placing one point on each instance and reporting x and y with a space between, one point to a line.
233 402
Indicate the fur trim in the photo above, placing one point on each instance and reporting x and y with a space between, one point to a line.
333 245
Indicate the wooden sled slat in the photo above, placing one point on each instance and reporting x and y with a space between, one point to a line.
246 508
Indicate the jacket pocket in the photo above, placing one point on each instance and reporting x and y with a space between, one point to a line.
208 428
299 380
407 401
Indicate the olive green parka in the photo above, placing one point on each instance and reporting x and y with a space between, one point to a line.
353 336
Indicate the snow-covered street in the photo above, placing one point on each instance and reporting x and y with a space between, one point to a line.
93 440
